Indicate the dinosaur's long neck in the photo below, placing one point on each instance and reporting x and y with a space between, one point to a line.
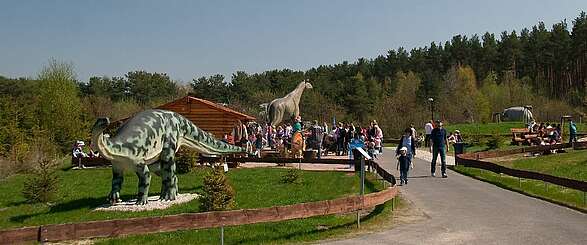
102 144
205 142
296 94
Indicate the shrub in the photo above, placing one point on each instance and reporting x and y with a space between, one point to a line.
186 160
17 160
475 139
42 185
218 193
291 176
494 142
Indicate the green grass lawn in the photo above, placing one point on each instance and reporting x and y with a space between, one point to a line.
487 128
572 165
482 146
569 165
83 190
501 128
288 232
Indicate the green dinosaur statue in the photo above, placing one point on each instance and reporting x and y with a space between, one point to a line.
150 140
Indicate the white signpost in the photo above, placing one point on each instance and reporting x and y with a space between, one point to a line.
365 155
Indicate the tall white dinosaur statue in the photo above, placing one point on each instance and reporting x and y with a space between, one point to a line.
287 107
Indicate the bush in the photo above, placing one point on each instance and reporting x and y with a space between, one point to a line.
291 176
494 142
42 185
186 160
218 193
475 139
17 161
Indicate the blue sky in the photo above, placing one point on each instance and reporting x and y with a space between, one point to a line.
188 39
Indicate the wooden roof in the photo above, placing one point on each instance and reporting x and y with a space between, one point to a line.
209 116
190 99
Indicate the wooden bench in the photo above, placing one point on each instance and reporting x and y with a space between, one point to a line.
519 135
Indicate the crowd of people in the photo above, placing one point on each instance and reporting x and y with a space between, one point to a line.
320 137
543 134
345 135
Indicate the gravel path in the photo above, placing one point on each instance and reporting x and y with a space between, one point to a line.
154 203
462 210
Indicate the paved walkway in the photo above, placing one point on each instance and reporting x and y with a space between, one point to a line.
462 210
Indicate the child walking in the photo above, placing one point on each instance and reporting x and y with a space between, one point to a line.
403 165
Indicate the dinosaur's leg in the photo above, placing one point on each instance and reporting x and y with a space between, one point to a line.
117 179
169 185
144 183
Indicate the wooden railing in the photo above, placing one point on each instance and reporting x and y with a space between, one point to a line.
473 160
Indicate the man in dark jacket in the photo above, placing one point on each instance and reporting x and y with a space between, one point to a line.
439 142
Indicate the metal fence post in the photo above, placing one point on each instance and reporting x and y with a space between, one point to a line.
362 171
222 235
520 182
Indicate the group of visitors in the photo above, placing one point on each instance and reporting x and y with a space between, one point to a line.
77 153
435 137
348 136
544 133
255 137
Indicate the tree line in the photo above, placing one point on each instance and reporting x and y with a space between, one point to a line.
469 78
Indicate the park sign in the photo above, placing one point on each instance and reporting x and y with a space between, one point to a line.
364 153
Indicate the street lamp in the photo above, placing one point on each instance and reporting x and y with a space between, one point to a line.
431 100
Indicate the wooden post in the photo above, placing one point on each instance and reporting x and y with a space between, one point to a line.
392 203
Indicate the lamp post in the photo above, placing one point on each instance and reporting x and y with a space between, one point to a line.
431 100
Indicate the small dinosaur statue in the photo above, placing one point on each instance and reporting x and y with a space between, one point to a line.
150 140
287 107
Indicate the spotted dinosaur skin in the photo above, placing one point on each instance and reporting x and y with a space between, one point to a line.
150 140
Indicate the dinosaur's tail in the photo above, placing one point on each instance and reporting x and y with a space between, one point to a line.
205 142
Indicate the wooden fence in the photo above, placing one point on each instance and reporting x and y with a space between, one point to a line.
135 226
472 160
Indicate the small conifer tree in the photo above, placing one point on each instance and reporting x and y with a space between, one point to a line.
218 193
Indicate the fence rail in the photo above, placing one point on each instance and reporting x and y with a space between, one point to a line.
145 225
472 160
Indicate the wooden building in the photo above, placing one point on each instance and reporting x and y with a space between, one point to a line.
209 116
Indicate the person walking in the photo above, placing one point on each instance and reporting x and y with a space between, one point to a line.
407 141
403 165
572 131
428 130
439 142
